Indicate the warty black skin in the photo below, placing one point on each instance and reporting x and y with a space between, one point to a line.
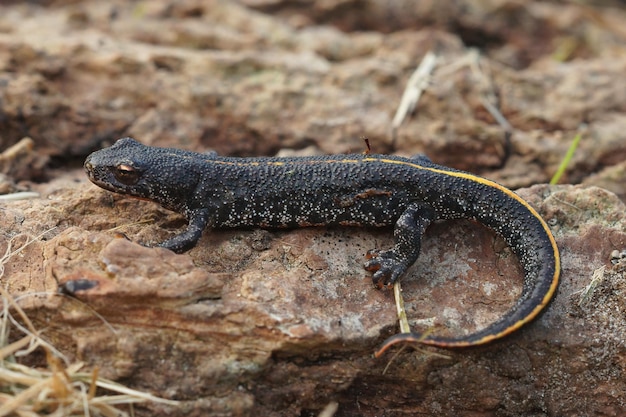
357 190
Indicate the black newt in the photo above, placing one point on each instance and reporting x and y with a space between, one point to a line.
350 190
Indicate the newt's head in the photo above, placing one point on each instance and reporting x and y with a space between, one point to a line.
162 175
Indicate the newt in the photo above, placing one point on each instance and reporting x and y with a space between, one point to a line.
345 190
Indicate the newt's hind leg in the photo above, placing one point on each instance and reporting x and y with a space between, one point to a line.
390 264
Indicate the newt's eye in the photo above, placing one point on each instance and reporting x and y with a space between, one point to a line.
126 174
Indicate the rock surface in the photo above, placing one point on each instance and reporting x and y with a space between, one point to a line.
284 323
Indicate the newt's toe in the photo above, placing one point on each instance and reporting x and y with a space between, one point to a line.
386 267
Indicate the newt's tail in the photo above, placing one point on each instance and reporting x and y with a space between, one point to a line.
527 309
532 242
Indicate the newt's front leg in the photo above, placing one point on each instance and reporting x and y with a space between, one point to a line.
390 264
198 220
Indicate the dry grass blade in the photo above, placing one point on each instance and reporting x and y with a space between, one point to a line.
23 397
16 377
22 195
130 395
15 346
417 83
403 321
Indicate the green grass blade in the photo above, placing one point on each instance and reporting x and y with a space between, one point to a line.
565 162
